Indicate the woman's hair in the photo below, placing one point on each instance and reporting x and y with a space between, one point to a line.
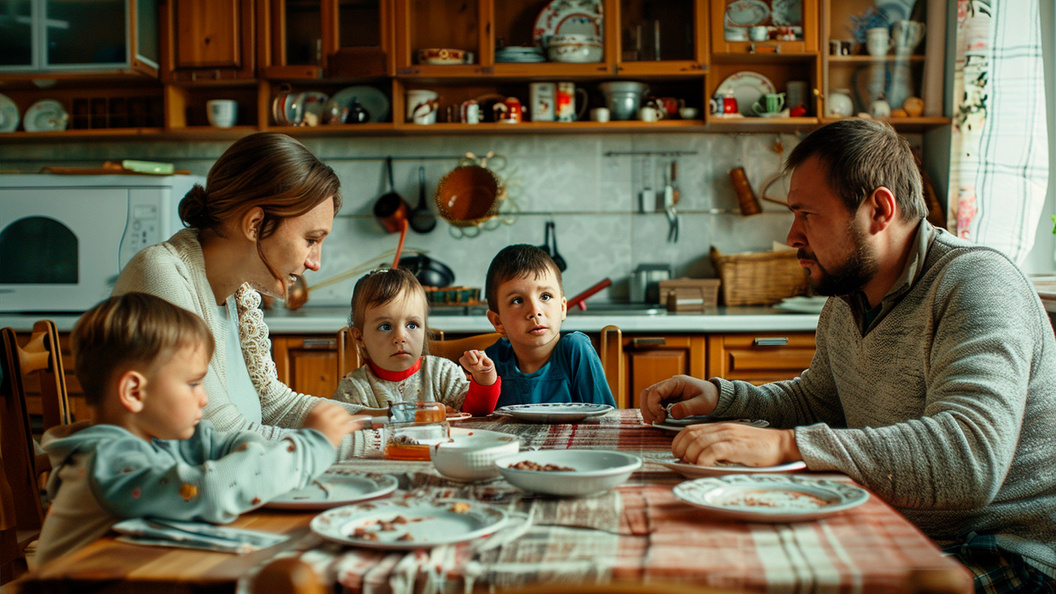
131 330
380 287
268 170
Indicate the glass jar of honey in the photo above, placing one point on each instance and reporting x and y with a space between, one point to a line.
413 428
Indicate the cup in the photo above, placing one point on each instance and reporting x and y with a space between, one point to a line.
565 102
670 105
600 114
541 96
422 106
470 112
508 111
649 113
835 47
729 103
758 33
688 113
796 93
769 103
222 113
877 41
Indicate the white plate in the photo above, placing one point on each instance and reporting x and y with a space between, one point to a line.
694 471
567 17
808 305
371 99
786 13
771 497
680 424
431 523
746 13
594 471
9 117
747 87
46 115
459 416
334 488
554 412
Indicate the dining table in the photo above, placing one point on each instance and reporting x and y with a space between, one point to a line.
637 532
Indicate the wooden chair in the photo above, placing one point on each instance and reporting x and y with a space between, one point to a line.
287 575
612 360
348 354
21 509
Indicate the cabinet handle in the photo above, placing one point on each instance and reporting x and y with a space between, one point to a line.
646 342
319 343
775 341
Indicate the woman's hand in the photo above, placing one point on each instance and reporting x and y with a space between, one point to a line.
333 421
706 444
694 396
480 367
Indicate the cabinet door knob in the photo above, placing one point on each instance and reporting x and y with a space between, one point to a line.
774 341
319 343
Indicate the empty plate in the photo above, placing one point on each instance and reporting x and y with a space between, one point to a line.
337 488
46 115
554 412
694 471
770 497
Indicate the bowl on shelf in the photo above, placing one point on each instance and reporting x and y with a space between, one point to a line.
575 48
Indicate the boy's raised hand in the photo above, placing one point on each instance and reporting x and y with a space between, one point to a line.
480 367
332 421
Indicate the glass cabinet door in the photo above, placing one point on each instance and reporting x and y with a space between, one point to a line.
764 26
662 36
16 34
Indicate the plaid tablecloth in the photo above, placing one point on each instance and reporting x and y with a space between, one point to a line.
638 531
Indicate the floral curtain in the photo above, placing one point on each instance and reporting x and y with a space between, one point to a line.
999 153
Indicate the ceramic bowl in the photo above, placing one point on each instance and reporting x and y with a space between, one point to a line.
442 56
593 471
471 454
575 48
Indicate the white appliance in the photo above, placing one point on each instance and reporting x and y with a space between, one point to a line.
64 238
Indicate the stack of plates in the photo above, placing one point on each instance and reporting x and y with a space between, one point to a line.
520 54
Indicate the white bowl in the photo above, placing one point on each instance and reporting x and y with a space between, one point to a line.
593 471
575 52
471 453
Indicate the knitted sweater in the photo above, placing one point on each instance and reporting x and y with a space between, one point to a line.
102 474
944 406
175 271
445 382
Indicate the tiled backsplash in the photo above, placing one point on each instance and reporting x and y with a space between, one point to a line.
592 197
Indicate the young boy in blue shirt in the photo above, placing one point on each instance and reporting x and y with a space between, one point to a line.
526 305
147 452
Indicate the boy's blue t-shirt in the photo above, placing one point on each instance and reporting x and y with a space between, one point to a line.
573 374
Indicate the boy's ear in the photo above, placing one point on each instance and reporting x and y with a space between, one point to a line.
131 390
564 308
494 319
357 335
251 223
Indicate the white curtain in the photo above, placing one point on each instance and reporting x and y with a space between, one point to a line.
999 162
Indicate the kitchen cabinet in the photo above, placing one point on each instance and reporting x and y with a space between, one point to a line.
654 358
759 357
308 364
207 40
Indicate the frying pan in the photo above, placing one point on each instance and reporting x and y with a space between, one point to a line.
390 209
429 272
469 195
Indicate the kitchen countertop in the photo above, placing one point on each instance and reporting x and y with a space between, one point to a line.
629 318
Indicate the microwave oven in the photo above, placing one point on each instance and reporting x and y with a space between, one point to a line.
65 238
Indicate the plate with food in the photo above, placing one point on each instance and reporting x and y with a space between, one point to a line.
567 472
771 497
555 412
566 17
408 524
747 87
334 488
670 424
721 468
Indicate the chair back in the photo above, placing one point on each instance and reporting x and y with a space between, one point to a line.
612 361
348 357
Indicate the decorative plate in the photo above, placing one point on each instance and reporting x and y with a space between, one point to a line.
337 488
746 13
586 471
9 117
786 13
554 412
771 497
408 524
568 16
371 99
46 115
747 87
694 471
670 424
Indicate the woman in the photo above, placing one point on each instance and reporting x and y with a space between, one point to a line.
255 228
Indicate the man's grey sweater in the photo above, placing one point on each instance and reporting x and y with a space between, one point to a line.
944 406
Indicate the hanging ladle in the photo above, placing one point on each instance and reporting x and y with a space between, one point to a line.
422 219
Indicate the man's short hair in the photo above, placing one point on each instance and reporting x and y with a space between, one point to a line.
862 155
517 261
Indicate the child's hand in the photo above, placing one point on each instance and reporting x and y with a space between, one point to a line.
480 366
332 421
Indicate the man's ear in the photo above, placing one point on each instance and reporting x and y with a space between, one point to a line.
494 319
883 209
357 335
131 390
251 223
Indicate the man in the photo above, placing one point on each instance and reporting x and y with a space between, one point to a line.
934 379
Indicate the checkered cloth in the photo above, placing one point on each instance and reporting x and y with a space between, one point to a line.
995 570
638 531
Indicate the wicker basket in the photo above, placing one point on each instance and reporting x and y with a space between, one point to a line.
759 278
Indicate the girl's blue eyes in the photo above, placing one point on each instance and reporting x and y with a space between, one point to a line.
386 327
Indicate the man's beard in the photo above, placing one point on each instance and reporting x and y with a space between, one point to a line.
852 275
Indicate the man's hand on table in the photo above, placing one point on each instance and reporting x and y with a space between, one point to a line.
695 396
706 444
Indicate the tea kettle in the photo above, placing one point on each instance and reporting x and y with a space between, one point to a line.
645 282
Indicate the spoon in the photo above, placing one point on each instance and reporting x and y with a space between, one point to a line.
422 219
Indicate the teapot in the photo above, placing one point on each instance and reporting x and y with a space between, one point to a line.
356 113
508 111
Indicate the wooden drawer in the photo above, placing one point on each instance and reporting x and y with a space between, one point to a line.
760 357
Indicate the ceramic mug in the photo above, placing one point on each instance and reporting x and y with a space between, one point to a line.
650 113
600 114
222 113
758 33
542 97
565 102
470 112
769 103
508 111
877 41
422 106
